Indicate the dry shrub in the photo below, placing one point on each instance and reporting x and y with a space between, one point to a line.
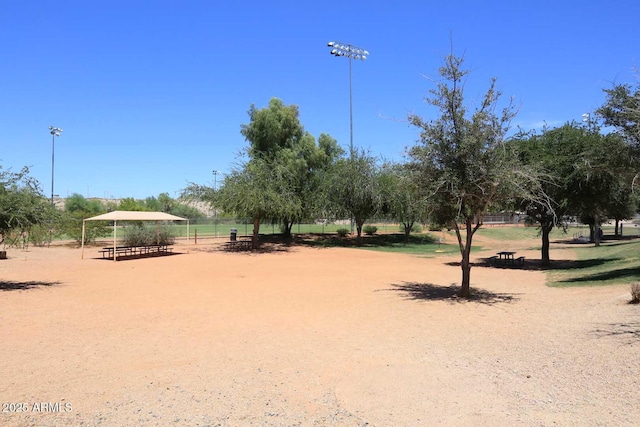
635 293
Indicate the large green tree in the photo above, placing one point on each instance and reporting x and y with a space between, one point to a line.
354 188
272 129
600 181
621 110
463 158
587 177
22 204
78 208
404 199
259 189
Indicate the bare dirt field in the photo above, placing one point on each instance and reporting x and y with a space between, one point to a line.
304 336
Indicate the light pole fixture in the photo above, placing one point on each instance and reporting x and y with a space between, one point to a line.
352 52
215 180
215 209
54 132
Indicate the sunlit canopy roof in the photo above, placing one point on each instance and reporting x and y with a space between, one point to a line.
135 216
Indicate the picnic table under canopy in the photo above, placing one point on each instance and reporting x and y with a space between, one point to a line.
116 216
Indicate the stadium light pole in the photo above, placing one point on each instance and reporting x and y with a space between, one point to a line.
215 209
352 52
54 131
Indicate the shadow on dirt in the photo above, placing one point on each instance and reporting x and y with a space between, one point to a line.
9 285
623 330
536 264
431 292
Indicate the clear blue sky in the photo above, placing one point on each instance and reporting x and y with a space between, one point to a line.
151 94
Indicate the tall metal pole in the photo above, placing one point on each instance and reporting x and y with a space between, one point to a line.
350 111
53 151
215 210
351 52
54 132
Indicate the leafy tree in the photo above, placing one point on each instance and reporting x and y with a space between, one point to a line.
597 183
281 178
259 189
277 137
22 204
622 111
588 175
463 160
404 197
186 211
272 129
76 209
131 204
354 188
555 160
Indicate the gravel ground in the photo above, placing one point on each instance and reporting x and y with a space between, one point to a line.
310 337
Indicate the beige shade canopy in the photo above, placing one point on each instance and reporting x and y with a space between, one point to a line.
135 216
116 216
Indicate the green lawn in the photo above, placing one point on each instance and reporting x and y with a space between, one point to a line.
612 263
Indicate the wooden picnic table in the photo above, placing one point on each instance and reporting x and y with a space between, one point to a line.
126 251
239 245
508 257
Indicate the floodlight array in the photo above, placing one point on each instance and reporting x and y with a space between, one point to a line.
55 131
347 50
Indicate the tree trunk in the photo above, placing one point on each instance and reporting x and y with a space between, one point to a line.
597 235
407 230
617 225
256 231
287 226
465 264
359 224
546 259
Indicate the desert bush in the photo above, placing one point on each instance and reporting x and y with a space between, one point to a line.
415 228
635 293
342 232
370 230
140 235
41 234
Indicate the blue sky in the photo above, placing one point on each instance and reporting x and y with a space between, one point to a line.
151 94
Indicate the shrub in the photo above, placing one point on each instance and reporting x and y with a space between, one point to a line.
342 232
635 293
370 230
41 235
415 228
139 235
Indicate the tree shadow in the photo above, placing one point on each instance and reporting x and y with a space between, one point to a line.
626 330
8 285
536 264
431 292
376 240
620 273
609 240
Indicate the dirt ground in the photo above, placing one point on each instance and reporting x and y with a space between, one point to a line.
305 336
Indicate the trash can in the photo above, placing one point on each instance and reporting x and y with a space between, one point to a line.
234 234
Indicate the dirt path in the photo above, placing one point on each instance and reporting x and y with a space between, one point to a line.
307 337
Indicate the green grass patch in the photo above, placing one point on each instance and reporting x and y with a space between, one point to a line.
609 264
531 233
418 244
